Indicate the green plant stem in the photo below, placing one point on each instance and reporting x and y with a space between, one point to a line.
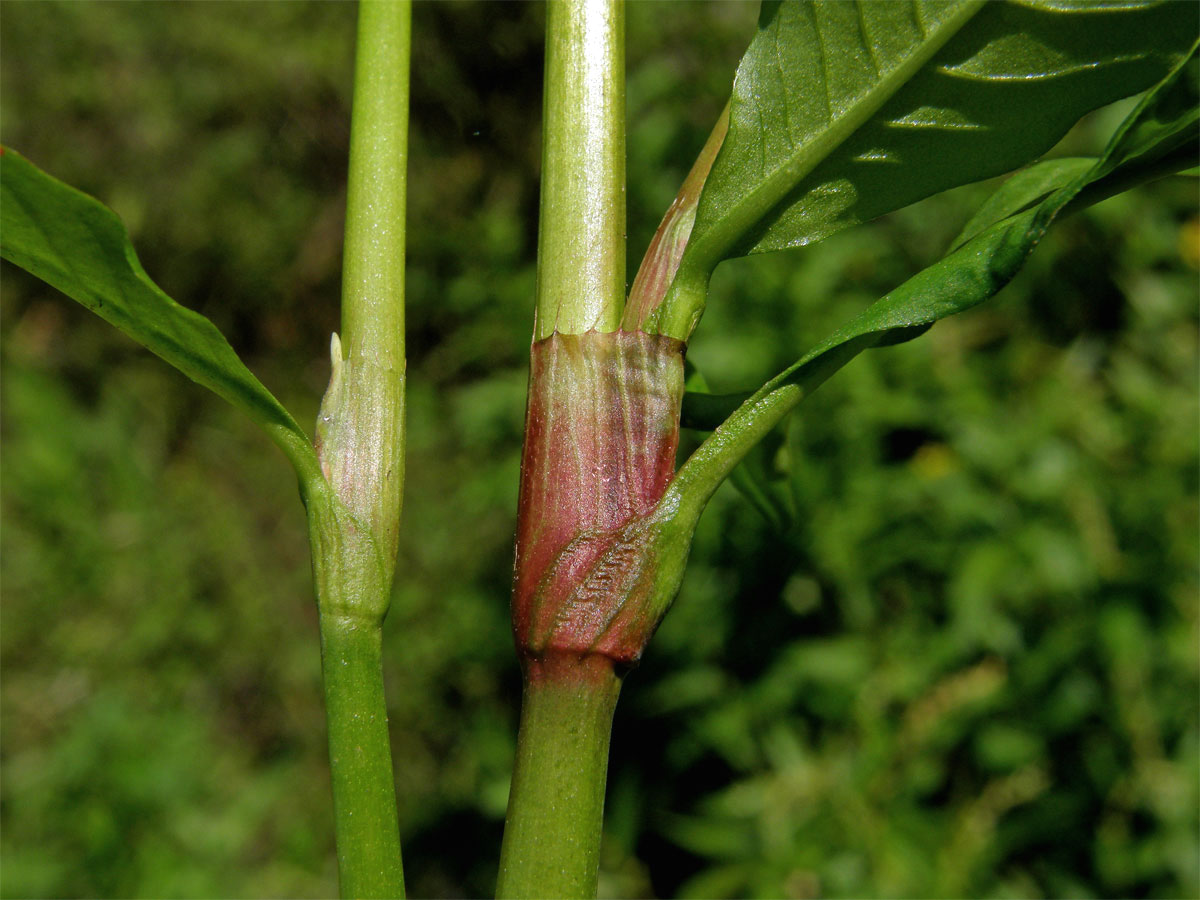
354 524
364 799
373 273
373 262
555 815
556 805
581 232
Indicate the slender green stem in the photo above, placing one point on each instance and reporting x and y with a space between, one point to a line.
373 264
372 404
556 805
364 799
354 523
581 234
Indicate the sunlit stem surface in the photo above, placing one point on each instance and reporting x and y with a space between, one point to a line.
581 231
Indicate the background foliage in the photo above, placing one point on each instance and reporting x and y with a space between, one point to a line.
959 657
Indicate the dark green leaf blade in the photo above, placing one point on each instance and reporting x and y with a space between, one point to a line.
1160 138
959 281
1159 130
79 246
845 111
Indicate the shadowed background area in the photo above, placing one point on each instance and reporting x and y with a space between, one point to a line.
952 652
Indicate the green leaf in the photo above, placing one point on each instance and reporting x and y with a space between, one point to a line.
1161 137
750 478
1160 134
79 246
1164 123
1160 140
1023 189
756 487
843 111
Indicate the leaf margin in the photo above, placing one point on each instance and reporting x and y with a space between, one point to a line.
35 203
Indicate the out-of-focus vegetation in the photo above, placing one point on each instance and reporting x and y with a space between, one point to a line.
963 662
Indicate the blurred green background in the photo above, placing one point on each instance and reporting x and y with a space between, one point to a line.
958 656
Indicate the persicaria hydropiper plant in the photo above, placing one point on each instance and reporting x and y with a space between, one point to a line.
840 112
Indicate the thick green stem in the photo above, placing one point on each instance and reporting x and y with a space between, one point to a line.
556 806
555 815
364 798
581 233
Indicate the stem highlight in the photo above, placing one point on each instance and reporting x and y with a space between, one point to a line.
581 232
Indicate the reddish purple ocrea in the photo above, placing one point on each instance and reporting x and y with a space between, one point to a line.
602 427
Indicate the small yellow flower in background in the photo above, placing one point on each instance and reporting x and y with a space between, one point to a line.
1189 242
